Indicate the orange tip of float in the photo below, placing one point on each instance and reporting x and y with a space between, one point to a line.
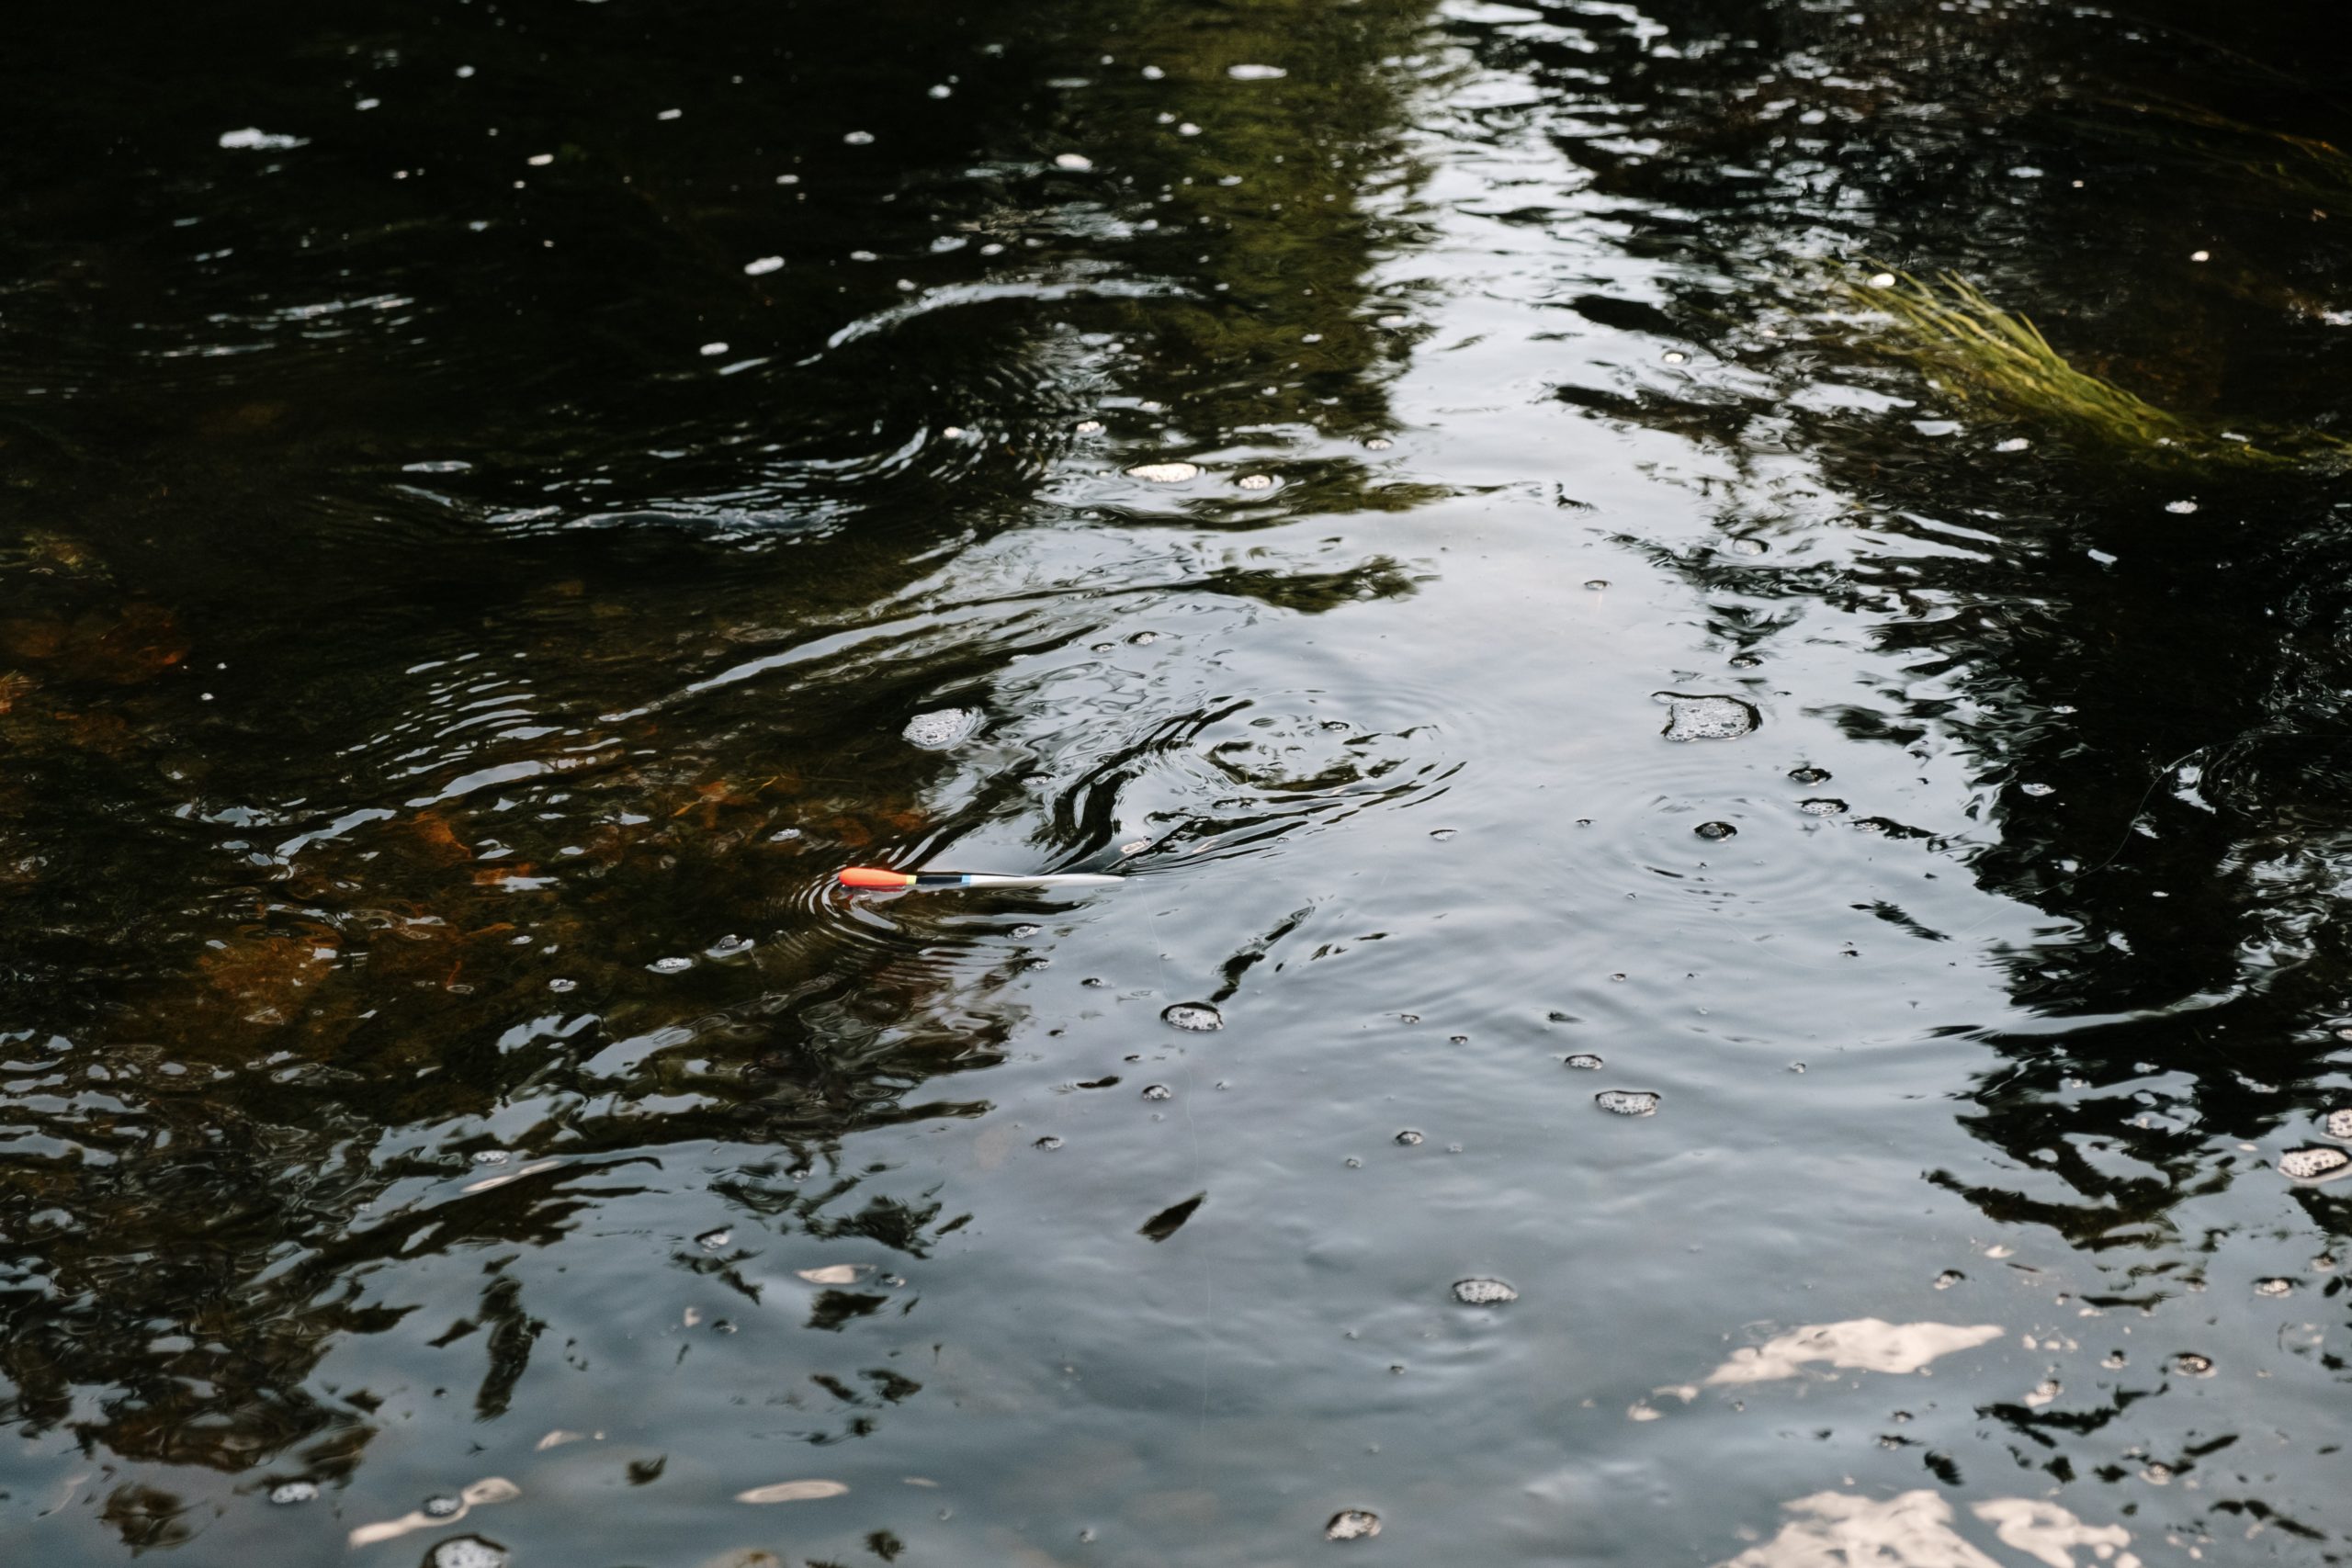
873 876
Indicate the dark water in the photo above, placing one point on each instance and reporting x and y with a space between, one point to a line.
489 489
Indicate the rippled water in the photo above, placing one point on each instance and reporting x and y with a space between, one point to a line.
503 501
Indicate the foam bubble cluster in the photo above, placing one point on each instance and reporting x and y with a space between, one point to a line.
1706 718
1483 1292
2314 1164
467 1551
938 730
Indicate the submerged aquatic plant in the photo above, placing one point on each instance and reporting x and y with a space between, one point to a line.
2270 162
1973 349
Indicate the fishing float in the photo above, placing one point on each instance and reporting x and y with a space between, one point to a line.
874 879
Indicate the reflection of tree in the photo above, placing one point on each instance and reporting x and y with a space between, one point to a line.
447 511
2155 730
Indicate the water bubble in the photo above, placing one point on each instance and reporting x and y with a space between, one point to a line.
1745 661
1047 1141
440 1506
1809 775
1142 639
1483 1292
1195 1017
671 965
1165 473
2115 1361
729 946
1706 718
1378 444
1821 805
938 730
2036 789
712 350
287 1491
2274 1286
1256 481
1157 1091
1715 830
940 90
1188 128
1747 546
1390 321
560 984
2014 444
2157 1475
467 1551
859 138
1948 1278
2180 508
253 138
762 266
1584 1062
1882 280
1352 1163
2316 1163
1028 928
715 1241
1441 834
1674 356
490 1156
1351 1524
1256 73
2339 1123
1409 1137
1626 1101
1595 583
2189 1364
1089 427
1076 163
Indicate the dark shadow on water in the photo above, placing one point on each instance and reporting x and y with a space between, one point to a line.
421 425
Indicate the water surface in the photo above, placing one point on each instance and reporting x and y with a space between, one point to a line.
1731 954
